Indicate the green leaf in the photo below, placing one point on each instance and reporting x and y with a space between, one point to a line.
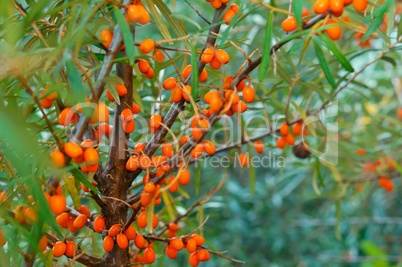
150 216
338 219
127 35
298 10
168 205
251 171
341 58
197 179
323 62
317 168
111 81
158 19
74 77
194 73
79 175
183 193
371 249
70 184
267 48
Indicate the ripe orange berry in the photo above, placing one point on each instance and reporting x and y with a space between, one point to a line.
80 221
90 154
222 56
360 5
139 147
177 244
193 261
130 232
216 3
202 255
243 160
171 252
209 147
259 146
361 152
167 150
290 139
248 94
227 17
197 151
176 94
334 33
347 2
173 185
99 224
321 6
122 241
3 196
191 245
154 123
142 219
139 241
169 83
63 219
149 255
184 139
147 46
207 55
132 164
289 24
43 243
30 215
138 14
297 128
150 73
240 107
399 113
184 177
105 129
186 92
158 56
71 227
114 230
57 158
59 249
106 37
284 129
46 103
73 150
70 249
149 188
281 142
336 6
144 162
215 64
211 95
146 199
173 227
198 239
121 89
232 96
143 65
66 117
108 244
84 210
2 240
57 204
171 234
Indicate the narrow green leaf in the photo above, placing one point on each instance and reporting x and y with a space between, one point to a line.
399 29
323 62
74 77
267 48
79 175
298 10
168 205
194 73
197 179
158 19
127 35
341 58
251 171
338 219
391 17
70 184
317 168
150 216
183 193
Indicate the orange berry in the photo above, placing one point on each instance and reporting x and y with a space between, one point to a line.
59 249
70 249
284 129
66 117
71 227
114 230
63 219
80 221
215 105
243 160
360 5
158 56
139 241
234 8
227 82
143 65
147 46
173 227
193 261
209 147
305 12
207 55
334 33
173 185
232 96
177 244
99 224
259 146
290 139
43 243
109 96
336 5
281 142
84 210
46 103
361 152
184 177
73 150
144 162
154 123
142 220
57 158
211 95
57 204
191 246
169 83
171 234
129 126
248 94
184 139
108 244
132 164
321 6
399 113
202 255
122 241
171 252
347 2
106 37
215 64
130 232
176 94
2 240
149 255
90 154
297 128
227 17
198 239
105 129
289 24
30 215
150 73
121 89
222 56
139 147
146 199
240 107
187 93
167 150
241 85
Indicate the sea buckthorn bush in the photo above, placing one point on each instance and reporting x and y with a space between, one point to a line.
211 133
